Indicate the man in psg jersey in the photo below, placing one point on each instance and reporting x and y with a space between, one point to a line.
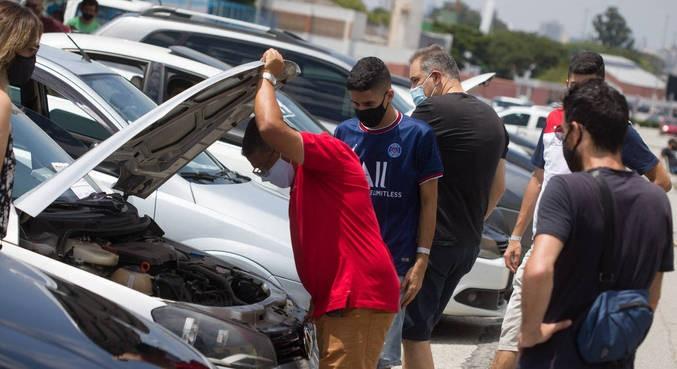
400 158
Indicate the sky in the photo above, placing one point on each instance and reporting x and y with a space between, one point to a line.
646 18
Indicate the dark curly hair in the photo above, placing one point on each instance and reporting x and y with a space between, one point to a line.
369 73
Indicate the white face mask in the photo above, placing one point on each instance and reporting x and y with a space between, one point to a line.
281 174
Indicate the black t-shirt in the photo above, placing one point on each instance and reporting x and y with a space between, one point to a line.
471 139
571 211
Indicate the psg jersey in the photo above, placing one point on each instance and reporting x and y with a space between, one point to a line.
396 160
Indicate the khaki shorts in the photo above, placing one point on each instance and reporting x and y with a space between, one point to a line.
512 321
352 338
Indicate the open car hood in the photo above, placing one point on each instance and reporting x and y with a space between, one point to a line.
157 145
475 81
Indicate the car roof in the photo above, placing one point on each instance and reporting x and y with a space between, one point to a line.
128 49
74 63
534 109
145 25
210 20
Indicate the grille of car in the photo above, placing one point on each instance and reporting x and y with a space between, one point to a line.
289 343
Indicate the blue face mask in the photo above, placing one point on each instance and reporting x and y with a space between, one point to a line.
418 94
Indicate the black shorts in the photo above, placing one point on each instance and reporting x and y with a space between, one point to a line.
446 266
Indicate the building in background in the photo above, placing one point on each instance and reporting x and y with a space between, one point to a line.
632 80
319 21
345 30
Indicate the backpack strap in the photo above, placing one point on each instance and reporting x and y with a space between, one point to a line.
607 277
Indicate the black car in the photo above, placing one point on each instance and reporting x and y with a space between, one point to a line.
46 322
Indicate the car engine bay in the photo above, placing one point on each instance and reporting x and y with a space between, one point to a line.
104 235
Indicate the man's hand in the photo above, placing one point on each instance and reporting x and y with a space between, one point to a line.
546 331
414 279
274 63
512 255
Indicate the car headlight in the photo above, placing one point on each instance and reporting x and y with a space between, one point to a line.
214 338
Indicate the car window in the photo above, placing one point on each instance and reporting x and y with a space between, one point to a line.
68 113
541 122
126 100
74 119
516 119
133 70
38 158
321 89
177 81
229 51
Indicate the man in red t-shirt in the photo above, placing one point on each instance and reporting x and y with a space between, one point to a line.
340 256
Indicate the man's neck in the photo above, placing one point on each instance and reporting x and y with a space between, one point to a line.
603 160
452 86
388 118
85 21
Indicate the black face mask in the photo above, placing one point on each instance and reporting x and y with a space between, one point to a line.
574 161
20 70
372 117
87 16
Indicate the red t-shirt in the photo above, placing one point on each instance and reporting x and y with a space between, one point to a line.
340 256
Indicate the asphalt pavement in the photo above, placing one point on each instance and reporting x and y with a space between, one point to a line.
470 343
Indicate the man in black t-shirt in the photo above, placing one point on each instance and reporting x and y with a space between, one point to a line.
472 142
561 278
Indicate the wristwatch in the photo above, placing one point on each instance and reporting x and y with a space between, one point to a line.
516 238
270 78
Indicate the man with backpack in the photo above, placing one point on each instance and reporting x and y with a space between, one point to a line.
587 248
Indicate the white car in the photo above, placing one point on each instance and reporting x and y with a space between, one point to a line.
237 219
78 232
525 121
477 290
503 102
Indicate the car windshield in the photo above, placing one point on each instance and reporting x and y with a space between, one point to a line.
38 158
121 95
296 116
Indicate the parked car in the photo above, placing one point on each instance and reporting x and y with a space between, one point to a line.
503 102
668 127
525 121
67 217
321 89
49 323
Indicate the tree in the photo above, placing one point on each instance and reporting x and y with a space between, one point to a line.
379 17
352 4
612 29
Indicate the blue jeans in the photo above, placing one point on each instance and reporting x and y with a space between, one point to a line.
392 347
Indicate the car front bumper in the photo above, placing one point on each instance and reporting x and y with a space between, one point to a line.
481 292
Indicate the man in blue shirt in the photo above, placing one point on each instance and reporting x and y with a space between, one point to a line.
402 163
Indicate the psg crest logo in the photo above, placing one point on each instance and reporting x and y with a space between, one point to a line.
394 150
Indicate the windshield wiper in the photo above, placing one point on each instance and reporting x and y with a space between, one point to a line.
225 175
204 176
